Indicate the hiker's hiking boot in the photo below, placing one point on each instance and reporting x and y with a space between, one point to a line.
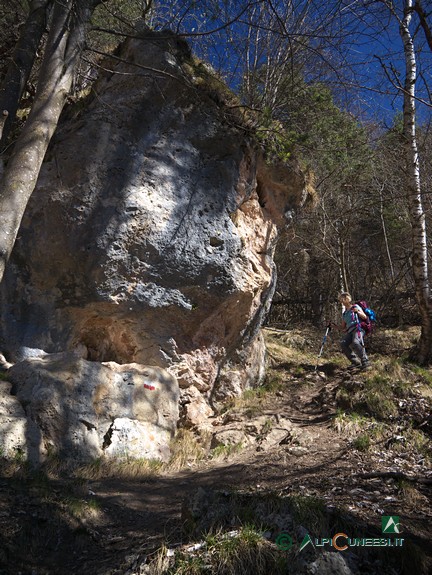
365 365
354 364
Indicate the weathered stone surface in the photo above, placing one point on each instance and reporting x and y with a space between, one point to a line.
327 563
263 432
133 439
13 424
195 411
85 409
148 240
245 367
231 438
4 365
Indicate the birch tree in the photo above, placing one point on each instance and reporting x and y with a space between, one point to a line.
423 351
406 18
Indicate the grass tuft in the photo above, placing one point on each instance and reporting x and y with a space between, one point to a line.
222 451
362 442
186 449
238 552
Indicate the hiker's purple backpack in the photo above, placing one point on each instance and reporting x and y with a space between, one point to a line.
368 324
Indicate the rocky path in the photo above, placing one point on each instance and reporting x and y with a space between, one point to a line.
300 453
312 460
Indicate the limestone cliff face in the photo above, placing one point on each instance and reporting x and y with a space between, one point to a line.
149 238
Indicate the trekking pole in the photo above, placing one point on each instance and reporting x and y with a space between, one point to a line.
323 343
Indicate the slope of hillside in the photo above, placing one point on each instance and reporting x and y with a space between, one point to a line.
315 452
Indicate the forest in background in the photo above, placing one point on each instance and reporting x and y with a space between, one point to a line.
344 87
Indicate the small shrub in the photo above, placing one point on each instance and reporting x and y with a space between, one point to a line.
362 442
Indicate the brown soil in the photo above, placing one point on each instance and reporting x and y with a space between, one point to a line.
120 522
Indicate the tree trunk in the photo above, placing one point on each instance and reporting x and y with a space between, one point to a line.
422 353
19 69
64 46
342 265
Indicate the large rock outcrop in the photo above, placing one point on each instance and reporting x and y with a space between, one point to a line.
150 236
84 410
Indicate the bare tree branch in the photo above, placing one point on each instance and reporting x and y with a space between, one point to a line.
423 22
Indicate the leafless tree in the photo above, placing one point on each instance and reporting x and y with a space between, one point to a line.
404 16
65 42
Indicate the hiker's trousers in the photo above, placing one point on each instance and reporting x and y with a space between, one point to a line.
352 345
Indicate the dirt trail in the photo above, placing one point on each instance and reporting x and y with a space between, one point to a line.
320 462
132 517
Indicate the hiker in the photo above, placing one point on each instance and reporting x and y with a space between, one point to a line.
352 343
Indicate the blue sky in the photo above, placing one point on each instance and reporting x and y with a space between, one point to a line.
364 69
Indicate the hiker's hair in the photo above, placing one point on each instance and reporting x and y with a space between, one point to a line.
345 294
